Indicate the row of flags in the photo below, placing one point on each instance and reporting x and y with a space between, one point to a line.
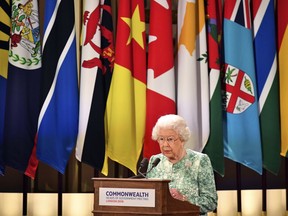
40 111
222 76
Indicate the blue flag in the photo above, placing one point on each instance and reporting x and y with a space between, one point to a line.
242 142
267 83
58 120
2 110
23 84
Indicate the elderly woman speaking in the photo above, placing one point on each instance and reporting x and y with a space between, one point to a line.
190 172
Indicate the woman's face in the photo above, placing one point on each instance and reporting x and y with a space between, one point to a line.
170 144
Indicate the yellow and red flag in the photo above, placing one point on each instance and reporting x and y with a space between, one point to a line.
126 103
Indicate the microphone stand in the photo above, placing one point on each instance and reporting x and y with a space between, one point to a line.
143 175
140 174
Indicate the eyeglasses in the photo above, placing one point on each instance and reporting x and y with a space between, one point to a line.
170 140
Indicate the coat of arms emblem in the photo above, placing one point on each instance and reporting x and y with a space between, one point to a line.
238 90
25 47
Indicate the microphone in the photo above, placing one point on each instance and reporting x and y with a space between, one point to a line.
143 166
142 169
154 164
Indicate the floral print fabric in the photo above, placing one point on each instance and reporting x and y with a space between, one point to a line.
192 176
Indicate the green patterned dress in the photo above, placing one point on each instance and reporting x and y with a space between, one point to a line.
192 176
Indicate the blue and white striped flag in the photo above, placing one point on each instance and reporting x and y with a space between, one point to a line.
58 120
267 82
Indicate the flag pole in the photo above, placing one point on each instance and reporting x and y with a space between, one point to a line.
238 181
96 172
25 190
116 170
215 211
79 177
60 188
286 176
264 193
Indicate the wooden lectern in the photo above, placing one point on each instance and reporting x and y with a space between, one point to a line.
144 197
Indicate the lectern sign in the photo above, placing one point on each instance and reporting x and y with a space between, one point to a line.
126 197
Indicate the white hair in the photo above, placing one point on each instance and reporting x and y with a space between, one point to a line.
173 122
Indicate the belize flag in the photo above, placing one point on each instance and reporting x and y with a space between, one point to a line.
23 84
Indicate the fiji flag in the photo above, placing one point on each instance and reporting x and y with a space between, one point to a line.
58 119
4 46
242 142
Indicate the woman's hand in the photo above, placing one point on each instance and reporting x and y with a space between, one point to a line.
177 195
